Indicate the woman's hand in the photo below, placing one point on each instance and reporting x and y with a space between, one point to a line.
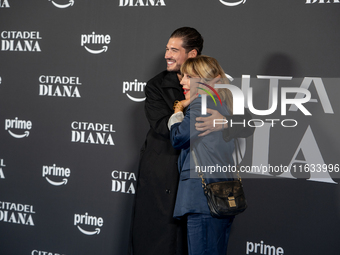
186 102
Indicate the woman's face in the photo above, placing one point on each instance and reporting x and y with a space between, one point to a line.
187 88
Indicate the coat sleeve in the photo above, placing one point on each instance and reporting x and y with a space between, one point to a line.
156 110
238 130
180 133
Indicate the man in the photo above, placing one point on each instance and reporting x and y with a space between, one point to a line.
154 231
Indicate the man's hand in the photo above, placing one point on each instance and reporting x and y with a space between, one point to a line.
207 123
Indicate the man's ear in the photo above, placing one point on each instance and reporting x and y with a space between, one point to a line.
192 53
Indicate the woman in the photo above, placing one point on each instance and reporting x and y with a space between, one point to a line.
206 235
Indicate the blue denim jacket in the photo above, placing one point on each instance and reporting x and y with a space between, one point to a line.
211 151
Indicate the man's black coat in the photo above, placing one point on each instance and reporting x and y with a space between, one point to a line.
154 229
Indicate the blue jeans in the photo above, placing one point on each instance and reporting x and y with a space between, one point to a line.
208 235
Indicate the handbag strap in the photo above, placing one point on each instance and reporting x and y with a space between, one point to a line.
237 151
200 174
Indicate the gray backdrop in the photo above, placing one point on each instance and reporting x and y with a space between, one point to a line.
72 77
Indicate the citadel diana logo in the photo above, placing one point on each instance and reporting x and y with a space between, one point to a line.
123 182
59 86
322 1
4 4
21 214
92 133
123 3
20 41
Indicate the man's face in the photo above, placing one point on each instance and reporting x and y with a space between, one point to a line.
175 54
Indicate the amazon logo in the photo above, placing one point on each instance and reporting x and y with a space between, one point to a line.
232 3
88 220
93 43
18 125
48 171
134 88
63 6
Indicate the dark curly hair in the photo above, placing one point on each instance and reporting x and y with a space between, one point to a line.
191 38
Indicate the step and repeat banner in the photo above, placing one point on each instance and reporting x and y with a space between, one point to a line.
72 79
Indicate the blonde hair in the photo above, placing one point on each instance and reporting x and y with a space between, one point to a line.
208 68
